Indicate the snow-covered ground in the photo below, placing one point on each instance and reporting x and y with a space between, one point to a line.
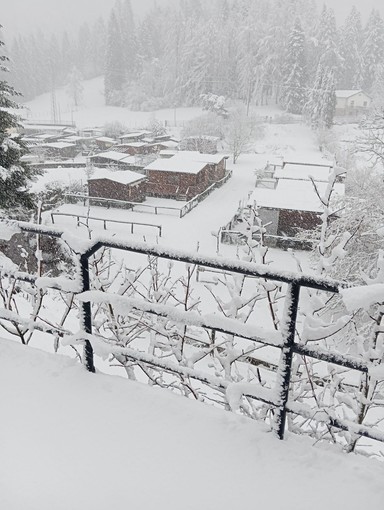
93 112
72 440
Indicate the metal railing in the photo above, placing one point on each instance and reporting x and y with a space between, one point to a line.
278 397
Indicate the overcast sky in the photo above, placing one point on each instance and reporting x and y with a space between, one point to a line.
28 15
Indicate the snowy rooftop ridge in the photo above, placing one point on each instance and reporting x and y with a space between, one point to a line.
185 162
121 176
114 156
293 195
347 93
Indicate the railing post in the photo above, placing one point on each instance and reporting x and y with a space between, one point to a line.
285 363
86 317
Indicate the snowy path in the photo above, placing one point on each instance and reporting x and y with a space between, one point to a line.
197 226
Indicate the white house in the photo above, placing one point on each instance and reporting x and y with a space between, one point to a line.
352 102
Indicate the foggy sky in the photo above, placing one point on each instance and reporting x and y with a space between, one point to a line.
28 15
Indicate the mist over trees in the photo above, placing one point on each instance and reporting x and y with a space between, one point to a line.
256 51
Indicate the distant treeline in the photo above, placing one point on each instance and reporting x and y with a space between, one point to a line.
257 51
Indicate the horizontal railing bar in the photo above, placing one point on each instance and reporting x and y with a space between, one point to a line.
172 367
321 416
73 215
235 266
126 202
30 324
338 359
190 318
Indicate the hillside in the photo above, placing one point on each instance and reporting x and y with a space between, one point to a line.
72 440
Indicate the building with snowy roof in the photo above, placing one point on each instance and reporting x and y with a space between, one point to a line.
117 185
60 149
291 206
112 158
352 102
185 174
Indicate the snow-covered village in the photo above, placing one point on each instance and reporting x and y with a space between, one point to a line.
191 254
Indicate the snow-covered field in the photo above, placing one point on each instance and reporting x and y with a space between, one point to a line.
93 112
72 440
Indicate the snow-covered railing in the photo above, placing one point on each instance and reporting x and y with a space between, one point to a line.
125 204
105 221
284 339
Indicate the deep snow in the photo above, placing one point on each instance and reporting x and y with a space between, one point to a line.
73 440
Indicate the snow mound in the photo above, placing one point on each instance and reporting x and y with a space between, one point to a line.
74 440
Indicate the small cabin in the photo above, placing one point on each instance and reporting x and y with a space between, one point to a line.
62 150
117 185
291 206
105 142
136 136
184 175
112 158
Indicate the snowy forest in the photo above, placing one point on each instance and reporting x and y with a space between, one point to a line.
287 52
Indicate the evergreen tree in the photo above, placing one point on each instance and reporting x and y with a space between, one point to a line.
14 175
114 79
321 105
75 86
373 48
128 39
294 88
350 51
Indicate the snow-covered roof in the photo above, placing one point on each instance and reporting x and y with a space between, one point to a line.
185 162
176 165
134 135
114 156
213 159
347 93
105 139
300 172
72 138
293 195
58 145
136 144
121 176
167 153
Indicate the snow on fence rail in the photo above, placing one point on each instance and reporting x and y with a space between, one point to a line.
106 221
277 397
109 202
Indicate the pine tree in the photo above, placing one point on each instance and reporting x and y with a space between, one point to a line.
373 48
75 86
350 51
321 105
128 38
114 80
14 175
294 88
